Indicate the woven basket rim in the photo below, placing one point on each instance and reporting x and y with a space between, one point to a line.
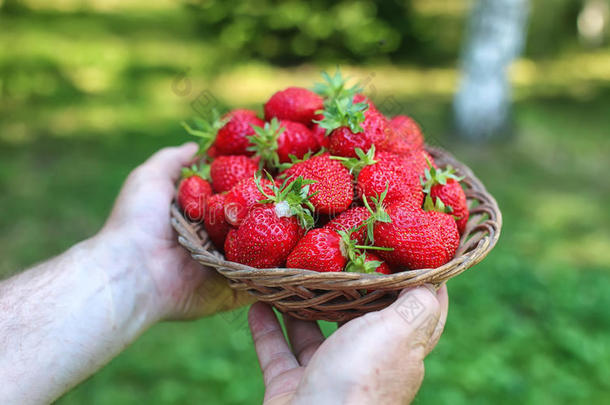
479 238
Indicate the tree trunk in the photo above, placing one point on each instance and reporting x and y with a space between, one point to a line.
496 33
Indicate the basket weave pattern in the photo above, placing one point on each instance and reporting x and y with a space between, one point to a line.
341 296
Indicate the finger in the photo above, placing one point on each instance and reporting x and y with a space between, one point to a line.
170 160
443 299
414 315
305 338
274 354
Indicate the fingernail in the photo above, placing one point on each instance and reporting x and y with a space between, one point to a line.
415 304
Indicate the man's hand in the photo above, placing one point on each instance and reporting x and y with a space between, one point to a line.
373 359
74 313
140 220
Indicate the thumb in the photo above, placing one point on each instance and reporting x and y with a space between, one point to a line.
414 316
170 160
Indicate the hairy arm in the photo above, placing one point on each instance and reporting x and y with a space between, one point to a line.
64 319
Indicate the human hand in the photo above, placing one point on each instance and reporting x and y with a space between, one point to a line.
139 233
374 359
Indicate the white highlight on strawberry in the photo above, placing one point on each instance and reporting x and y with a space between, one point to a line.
282 209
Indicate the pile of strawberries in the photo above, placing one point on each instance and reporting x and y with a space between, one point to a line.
325 182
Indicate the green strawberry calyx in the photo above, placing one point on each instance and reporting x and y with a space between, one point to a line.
360 265
202 171
438 205
354 165
289 199
335 87
342 112
294 160
205 130
433 176
264 143
355 255
377 215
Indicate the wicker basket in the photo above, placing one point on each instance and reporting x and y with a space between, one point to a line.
339 297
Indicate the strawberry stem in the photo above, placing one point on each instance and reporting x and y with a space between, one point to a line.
264 143
354 165
385 249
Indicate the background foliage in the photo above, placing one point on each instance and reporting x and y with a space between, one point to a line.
88 89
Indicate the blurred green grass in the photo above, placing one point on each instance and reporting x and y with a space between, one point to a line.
87 95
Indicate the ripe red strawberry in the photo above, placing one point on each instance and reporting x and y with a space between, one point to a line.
352 129
406 136
368 263
271 229
232 138
193 193
392 172
447 228
332 191
325 250
382 268
277 140
319 250
216 225
294 104
241 198
416 237
226 171
444 184
353 218
320 134
418 161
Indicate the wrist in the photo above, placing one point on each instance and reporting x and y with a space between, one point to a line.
131 294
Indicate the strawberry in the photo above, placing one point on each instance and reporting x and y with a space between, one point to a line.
382 268
320 134
368 263
325 250
332 191
379 171
215 223
193 193
420 239
375 131
277 140
294 104
444 184
226 171
319 250
447 228
406 136
353 218
272 228
353 126
232 138
241 198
